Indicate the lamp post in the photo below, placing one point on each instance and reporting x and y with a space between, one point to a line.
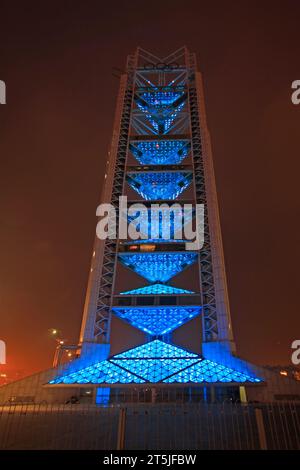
57 336
71 350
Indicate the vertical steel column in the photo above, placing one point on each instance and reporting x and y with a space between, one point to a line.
210 321
216 313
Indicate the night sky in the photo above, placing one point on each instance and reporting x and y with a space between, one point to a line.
57 60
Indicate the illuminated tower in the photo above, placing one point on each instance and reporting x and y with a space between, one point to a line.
160 153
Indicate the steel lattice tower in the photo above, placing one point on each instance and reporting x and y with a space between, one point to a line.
160 125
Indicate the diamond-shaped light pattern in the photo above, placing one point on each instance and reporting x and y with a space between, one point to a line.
161 108
157 289
157 320
162 222
158 267
165 152
161 185
154 362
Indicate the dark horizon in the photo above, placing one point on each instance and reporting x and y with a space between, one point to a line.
58 63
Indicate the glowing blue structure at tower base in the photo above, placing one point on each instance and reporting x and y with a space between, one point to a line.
155 362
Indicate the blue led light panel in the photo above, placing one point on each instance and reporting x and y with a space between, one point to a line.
158 267
161 223
166 152
161 108
154 362
210 372
154 240
155 349
102 372
160 185
154 370
156 289
157 320
161 99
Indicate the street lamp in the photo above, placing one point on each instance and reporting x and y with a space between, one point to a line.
57 335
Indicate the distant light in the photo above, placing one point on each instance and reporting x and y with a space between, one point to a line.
54 331
297 374
148 247
283 372
133 247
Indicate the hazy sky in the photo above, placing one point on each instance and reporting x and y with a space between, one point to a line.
57 59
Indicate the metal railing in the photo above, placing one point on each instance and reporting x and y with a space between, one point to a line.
153 427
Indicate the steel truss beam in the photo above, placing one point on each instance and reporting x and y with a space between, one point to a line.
210 319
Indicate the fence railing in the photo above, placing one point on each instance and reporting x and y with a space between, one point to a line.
153 427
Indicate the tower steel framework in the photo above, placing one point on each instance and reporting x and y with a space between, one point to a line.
160 124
